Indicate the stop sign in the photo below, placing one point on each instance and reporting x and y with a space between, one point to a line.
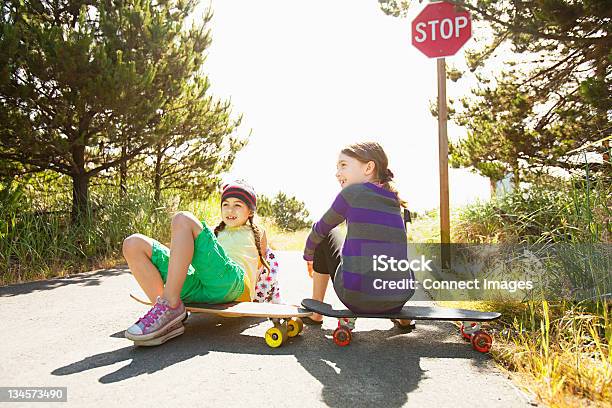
440 30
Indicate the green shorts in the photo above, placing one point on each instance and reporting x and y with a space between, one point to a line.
212 276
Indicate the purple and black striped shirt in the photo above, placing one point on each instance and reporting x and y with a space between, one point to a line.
375 226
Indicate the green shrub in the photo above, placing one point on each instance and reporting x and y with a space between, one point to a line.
289 213
567 211
38 242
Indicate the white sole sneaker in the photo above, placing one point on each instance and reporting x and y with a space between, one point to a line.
150 336
175 331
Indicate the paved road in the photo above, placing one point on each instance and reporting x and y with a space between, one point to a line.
69 332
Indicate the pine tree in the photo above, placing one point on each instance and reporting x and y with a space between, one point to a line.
194 147
88 85
559 98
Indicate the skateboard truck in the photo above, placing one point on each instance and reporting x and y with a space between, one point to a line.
282 330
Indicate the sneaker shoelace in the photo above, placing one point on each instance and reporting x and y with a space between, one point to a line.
153 314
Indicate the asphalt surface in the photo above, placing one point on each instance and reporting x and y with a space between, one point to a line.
69 332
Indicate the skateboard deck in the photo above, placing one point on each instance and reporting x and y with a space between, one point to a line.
240 309
407 312
481 341
286 318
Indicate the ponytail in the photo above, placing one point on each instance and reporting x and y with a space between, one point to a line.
389 185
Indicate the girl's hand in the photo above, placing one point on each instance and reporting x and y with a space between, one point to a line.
310 268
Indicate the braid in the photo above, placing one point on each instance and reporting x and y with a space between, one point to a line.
385 178
390 186
219 228
257 235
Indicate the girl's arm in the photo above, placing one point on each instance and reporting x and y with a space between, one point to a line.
334 216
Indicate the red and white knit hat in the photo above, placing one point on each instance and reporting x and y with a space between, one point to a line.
242 191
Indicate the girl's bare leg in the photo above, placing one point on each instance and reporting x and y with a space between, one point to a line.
319 286
185 229
137 250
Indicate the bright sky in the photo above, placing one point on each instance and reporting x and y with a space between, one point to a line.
313 76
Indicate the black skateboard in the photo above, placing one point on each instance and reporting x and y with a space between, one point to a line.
481 341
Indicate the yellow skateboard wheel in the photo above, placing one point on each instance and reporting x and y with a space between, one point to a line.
300 324
294 327
274 337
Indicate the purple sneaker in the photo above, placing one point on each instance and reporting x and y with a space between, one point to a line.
157 322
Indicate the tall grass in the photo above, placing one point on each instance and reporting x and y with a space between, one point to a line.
566 211
565 348
559 350
38 239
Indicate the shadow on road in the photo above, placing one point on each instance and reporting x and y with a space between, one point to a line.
82 279
379 368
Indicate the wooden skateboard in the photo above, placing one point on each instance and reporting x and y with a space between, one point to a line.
481 341
286 318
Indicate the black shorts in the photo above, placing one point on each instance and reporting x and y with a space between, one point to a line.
327 255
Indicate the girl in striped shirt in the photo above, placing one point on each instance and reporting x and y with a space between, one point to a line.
372 209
